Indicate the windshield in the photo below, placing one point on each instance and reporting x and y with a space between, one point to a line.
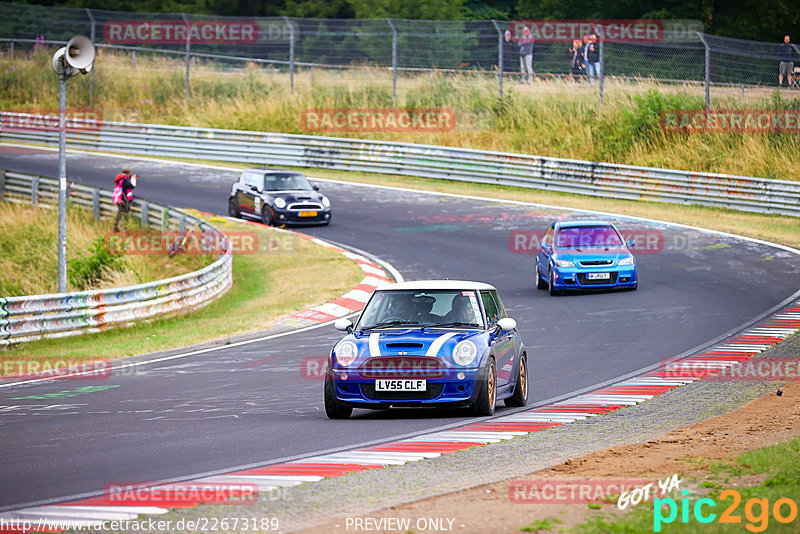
588 236
421 308
285 181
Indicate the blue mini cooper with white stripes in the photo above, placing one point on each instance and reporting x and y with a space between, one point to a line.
431 343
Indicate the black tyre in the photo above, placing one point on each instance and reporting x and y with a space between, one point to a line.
520 396
540 283
551 286
487 394
333 409
266 215
233 208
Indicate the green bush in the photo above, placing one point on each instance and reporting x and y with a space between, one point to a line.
85 271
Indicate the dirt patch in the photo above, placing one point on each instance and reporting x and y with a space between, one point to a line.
686 451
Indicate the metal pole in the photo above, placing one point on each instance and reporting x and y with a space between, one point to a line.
188 57
133 59
394 61
91 74
708 71
12 50
291 54
499 59
601 76
62 182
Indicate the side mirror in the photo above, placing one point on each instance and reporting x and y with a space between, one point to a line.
631 243
315 187
254 188
506 323
345 325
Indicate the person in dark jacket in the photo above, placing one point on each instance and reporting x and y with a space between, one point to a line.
123 195
592 57
576 64
786 55
526 55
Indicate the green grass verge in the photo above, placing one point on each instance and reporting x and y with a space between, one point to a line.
266 286
29 262
779 468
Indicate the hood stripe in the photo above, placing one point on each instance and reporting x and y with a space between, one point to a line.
374 344
433 350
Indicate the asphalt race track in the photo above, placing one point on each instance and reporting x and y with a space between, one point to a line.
250 404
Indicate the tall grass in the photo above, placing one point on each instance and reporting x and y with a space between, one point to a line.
552 118
28 252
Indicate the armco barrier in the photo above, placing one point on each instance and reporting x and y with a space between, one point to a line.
448 163
65 314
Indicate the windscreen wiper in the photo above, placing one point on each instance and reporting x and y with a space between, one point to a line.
453 323
388 323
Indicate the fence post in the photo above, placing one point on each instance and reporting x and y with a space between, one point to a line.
291 54
188 56
708 70
95 203
2 183
133 59
600 74
35 190
499 59
91 73
145 215
12 49
394 61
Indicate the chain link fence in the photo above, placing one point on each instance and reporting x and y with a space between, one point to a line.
395 50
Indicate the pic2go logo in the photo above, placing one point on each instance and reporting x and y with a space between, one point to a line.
756 511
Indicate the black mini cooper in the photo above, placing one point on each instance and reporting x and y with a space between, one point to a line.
277 196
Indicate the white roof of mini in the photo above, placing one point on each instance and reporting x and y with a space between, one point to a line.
437 284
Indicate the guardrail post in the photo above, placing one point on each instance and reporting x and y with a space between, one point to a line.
291 54
145 209
35 191
164 218
499 59
182 224
394 61
91 73
95 203
2 184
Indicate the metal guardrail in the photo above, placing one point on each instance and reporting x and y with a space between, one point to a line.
429 161
57 315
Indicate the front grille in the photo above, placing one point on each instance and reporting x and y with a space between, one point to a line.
590 263
433 391
304 206
402 367
605 281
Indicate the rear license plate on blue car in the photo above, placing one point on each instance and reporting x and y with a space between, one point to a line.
401 385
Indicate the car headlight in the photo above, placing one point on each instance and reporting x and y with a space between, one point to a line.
346 353
627 261
465 352
279 203
563 263
326 202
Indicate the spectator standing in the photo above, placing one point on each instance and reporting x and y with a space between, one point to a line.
510 49
122 195
526 55
576 64
786 55
592 59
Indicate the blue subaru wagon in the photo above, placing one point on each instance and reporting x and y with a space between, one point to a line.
431 343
